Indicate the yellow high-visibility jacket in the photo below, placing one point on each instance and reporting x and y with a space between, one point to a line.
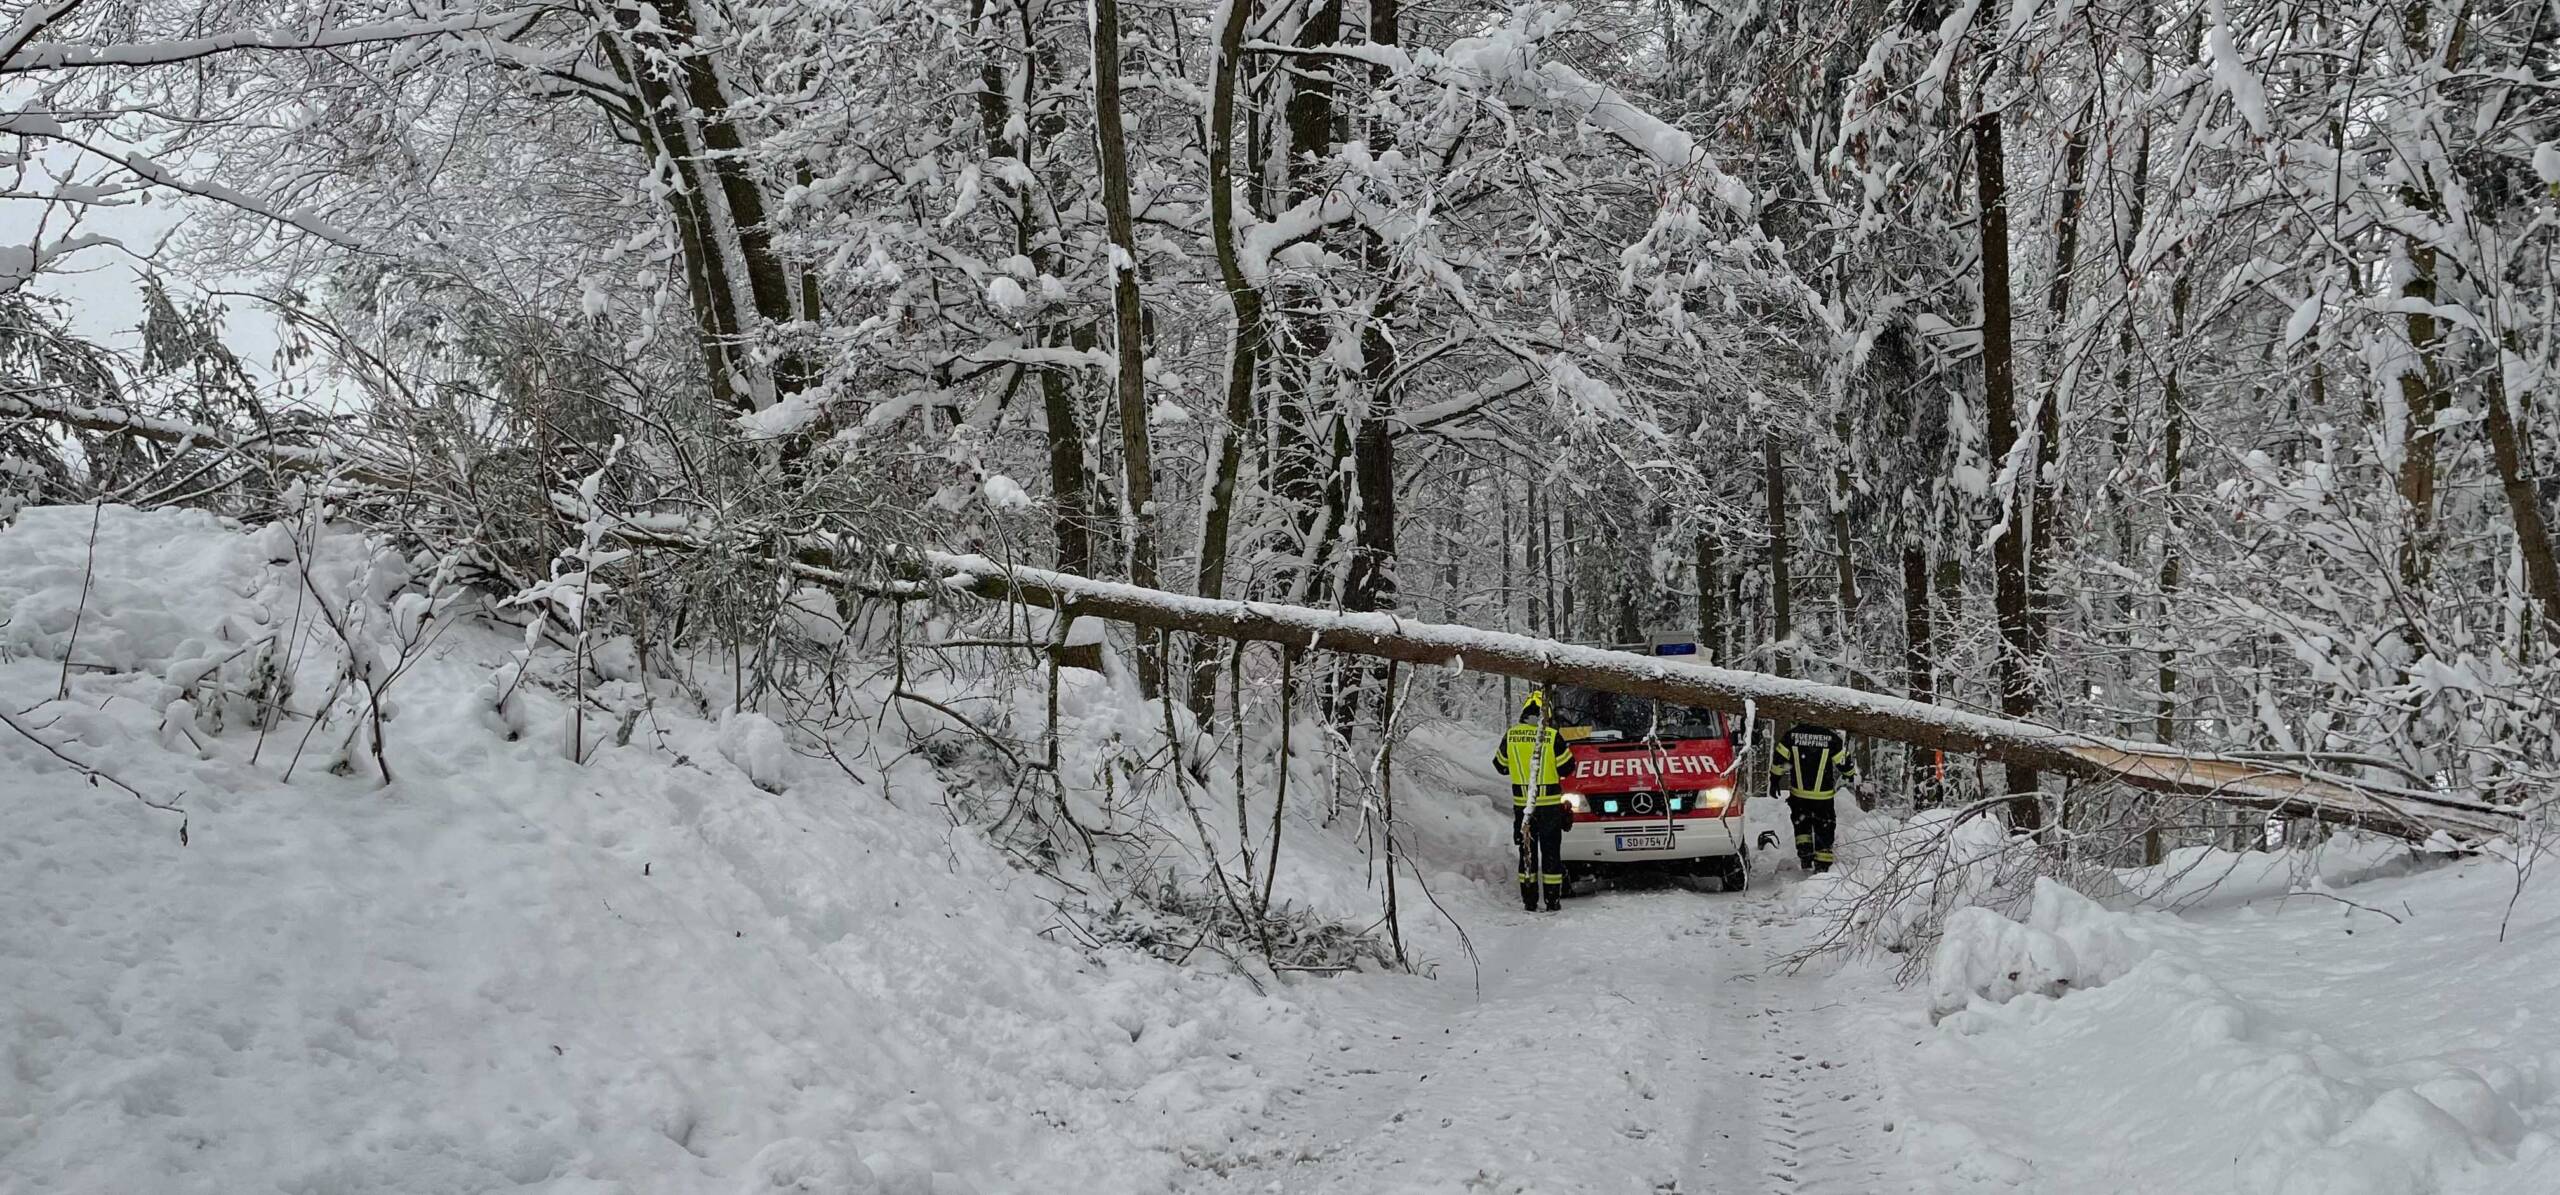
1536 759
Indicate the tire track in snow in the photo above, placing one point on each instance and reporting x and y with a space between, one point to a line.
1818 1103
1640 1043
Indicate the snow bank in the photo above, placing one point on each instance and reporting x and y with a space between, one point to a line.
646 974
2299 1048
2199 877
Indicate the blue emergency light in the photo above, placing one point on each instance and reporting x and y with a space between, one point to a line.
1675 649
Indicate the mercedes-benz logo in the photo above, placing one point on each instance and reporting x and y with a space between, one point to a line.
1644 804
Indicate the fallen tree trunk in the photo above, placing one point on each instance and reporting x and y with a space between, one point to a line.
2244 783
2251 784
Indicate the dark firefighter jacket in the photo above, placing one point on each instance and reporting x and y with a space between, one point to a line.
1811 761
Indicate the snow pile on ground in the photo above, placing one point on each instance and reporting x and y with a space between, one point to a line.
2067 943
2379 1039
646 973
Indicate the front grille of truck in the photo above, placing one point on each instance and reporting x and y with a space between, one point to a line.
1643 803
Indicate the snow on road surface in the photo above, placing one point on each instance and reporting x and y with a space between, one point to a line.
1640 1041
2278 1033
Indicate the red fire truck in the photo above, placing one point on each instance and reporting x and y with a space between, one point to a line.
1653 785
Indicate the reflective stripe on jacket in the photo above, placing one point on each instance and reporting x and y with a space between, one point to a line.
1535 759
1811 763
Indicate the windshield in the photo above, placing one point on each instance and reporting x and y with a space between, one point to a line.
1617 715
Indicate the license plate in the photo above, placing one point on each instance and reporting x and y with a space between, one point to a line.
1644 842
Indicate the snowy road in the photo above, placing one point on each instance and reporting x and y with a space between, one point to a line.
1638 1042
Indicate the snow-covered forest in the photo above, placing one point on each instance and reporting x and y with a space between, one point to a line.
927 587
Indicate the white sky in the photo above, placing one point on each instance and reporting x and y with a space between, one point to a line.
103 285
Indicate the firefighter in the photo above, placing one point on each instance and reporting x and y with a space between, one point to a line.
1537 760
1807 766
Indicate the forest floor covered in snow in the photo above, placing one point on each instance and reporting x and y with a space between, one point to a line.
704 961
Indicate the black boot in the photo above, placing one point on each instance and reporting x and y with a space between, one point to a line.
1529 897
1554 904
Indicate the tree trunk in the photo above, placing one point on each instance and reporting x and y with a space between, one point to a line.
1070 499
2424 392
1843 536
705 268
2120 462
2043 484
1510 573
737 214
1568 575
1371 583
1137 471
2173 435
2423 395
1067 478
2164 724
2241 783
1711 637
2010 599
1244 353
1781 596
1534 561
1919 677
1303 476
2508 449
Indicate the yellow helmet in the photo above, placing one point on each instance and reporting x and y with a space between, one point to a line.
1535 704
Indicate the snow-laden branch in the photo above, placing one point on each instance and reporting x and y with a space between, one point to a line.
115 421
1439 414
32 23
48 56
22 264
149 170
1506 65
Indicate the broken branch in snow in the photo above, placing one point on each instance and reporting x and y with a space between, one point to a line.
2340 899
26 56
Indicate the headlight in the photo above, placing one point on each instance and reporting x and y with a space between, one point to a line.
1574 802
1715 798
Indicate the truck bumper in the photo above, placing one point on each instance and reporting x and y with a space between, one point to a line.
1653 840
